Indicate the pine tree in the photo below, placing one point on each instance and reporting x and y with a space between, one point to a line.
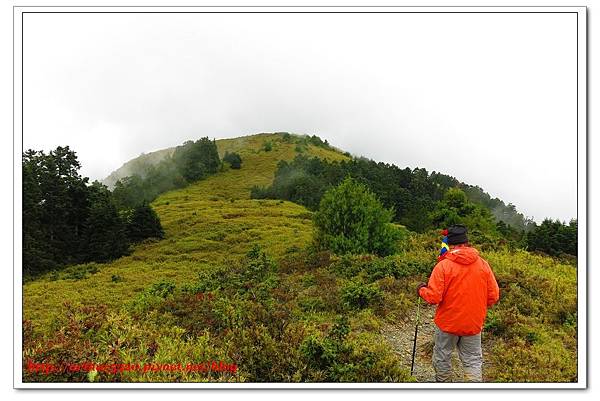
195 160
55 207
144 223
351 219
105 237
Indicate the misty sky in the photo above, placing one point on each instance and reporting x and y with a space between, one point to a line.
487 98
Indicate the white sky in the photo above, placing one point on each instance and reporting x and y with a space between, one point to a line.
487 98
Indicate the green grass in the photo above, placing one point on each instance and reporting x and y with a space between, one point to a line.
205 224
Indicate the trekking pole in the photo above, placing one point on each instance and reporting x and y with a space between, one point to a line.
412 364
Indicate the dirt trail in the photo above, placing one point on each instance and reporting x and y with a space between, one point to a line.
401 335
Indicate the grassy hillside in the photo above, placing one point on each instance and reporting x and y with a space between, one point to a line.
281 312
204 224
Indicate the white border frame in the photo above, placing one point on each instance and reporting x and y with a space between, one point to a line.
581 203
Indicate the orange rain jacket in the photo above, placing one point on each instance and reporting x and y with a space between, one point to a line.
463 286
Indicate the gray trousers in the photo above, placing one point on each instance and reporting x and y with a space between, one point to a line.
469 352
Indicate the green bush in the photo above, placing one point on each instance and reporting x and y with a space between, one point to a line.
162 289
350 219
339 357
234 160
144 223
455 208
311 304
356 295
254 276
375 268
267 146
387 267
77 272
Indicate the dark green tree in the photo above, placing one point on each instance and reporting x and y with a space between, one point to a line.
350 219
130 192
38 255
196 160
234 160
144 223
553 238
455 208
105 231
55 207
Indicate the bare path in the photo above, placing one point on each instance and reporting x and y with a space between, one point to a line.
400 337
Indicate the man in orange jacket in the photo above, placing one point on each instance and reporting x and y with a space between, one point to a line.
463 286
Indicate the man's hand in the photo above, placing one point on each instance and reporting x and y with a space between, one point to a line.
421 285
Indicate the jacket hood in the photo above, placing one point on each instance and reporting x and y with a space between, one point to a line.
463 255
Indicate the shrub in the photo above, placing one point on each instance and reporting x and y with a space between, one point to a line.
162 289
374 268
251 277
387 267
316 141
268 146
151 298
338 357
311 304
533 360
144 223
234 160
77 272
350 219
356 295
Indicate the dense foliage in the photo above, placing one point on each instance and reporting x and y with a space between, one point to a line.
412 193
350 219
66 220
234 160
310 317
553 238
105 235
246 312
196 160
190 162
455 208
143 223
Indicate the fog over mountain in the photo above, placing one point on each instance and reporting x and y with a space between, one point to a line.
487 98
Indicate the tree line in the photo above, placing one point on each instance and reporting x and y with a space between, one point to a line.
190 162
419 200
412 193
68 220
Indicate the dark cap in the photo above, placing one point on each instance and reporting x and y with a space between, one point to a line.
457 234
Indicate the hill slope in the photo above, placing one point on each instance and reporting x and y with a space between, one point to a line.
204 224
295 333
137 164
